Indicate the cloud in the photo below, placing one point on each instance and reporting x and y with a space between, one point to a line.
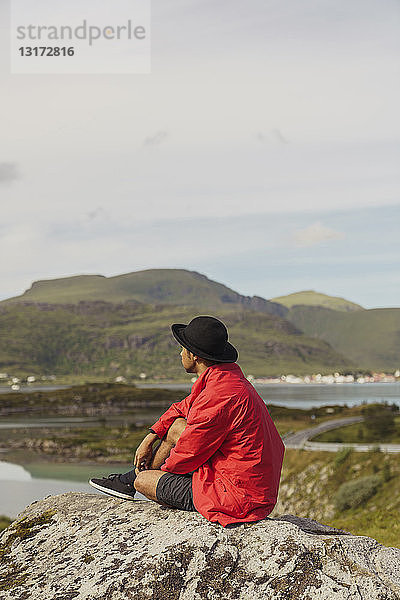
275 135
278 136
156 139
8 172
93 214
316 234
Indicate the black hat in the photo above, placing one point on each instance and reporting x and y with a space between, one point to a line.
207 338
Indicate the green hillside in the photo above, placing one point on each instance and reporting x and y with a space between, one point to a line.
104 325
107 340
154 286
370 338
327 477
311 298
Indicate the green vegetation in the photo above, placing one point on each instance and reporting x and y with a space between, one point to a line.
100 399
153 286
108 340
381 425
342 455
99 444
370 338
110 443
311 481
92 325
294 419
4 522
22 530
353 493
311 298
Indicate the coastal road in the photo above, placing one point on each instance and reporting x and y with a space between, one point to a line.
300 439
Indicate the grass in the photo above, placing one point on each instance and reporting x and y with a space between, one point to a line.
4 522
369 338
311 298
108 340
95 444
92 324
359 433
109 444
356 492
100 399
152 286
382 524
310 481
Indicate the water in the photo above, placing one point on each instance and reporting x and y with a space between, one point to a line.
33 388
313 395
23 484
293 395
20 486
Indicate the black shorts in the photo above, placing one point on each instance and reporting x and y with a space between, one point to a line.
176 491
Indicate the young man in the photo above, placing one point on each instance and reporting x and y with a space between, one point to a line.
220 453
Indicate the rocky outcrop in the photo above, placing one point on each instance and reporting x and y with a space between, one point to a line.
89 547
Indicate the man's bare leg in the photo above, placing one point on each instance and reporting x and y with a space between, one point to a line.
169 441
146 481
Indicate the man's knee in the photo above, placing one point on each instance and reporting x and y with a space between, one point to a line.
176 430
139 482
146 483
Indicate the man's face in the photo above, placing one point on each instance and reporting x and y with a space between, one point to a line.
188 361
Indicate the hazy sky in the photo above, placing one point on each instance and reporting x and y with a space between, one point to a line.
262 151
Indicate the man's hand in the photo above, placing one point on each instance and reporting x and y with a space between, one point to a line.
144 452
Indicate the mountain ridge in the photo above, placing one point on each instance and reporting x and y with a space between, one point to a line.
313 298
370 338
109 339
276 339
166 286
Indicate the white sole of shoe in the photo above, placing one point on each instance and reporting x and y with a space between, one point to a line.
110 492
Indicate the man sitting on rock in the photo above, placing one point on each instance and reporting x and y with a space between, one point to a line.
220 453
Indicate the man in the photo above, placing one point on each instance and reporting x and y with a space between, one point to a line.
220 453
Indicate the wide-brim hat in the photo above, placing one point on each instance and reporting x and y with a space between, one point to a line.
206 337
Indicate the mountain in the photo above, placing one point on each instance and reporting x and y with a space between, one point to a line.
370 338
153 286
91 324
105 339
311 298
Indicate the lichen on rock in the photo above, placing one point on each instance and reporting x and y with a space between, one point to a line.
93 547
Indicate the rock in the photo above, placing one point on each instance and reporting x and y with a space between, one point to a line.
89 547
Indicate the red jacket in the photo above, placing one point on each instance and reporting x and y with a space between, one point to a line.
230 443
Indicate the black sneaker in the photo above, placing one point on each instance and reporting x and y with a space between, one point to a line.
113 486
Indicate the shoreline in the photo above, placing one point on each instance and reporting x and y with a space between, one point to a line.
6 389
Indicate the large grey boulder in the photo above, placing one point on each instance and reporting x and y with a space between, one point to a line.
89 547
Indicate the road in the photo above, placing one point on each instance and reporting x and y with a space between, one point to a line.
300 438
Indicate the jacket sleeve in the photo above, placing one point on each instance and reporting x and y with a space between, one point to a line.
179 409
203 435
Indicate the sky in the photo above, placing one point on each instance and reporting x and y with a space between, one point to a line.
262 151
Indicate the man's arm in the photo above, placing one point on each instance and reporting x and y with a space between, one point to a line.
206 430
179 409
144 452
